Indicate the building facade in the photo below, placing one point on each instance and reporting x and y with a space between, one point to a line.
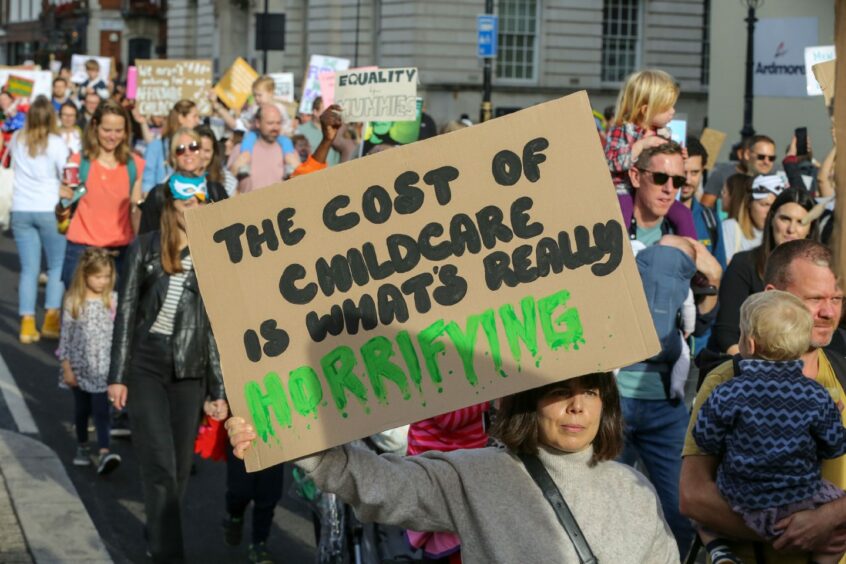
547 48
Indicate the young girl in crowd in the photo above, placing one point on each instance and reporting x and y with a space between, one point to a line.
771 425
460 429
645 106
85 350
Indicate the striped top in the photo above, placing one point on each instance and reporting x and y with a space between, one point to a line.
463 428
175 287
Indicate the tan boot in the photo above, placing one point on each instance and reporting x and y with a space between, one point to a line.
52 324
28 332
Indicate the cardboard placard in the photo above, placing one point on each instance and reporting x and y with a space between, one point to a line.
713 141
284 83
327 84
377 95
78 75
814 56
318 64
42 80
824 73
483 263
162 83
236 86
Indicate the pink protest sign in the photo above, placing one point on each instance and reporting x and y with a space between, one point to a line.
131 82
327 84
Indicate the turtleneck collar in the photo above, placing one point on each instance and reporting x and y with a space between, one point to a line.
560 462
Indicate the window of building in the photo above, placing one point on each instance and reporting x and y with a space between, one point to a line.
621 29
517 41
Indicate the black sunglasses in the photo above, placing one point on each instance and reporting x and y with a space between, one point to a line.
194 147
661 178
770 158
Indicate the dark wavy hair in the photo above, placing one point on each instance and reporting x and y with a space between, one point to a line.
768 244
516 423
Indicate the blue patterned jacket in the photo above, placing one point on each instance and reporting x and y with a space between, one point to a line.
772 426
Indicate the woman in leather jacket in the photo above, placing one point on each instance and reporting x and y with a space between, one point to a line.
164 364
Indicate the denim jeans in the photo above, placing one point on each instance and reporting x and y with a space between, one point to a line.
73 254
33 232
655 431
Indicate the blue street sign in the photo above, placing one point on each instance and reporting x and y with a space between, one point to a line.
487 27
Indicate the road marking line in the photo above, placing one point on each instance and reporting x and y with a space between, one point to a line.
16 402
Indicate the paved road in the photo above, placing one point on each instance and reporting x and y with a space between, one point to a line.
115 502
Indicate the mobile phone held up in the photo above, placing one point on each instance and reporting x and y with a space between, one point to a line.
801 141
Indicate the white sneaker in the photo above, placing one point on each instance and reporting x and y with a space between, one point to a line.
108 463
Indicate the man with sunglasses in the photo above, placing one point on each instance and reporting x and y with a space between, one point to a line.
756 156
655 417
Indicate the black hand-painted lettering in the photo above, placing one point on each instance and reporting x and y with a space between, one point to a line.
376 205
252 346
453 286
267 236
276 339
491 227
520 219
610 239
506 168
532 157
498 271
409 197
403 262
418 287
336 222
285 221
288 287
231 235
464 235
440 179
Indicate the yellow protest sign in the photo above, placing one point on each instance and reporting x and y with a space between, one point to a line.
236 86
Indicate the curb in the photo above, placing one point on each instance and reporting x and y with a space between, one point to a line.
53 519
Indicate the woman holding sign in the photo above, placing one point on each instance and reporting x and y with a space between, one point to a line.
164 363
563 435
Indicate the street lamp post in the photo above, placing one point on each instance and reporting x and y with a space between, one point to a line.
749 94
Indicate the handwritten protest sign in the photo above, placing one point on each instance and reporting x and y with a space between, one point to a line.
420 280
162 83
318 64
327 84
78 74
824 73
19 86
236 86
377 95
284 86
713 141
42 81
814 56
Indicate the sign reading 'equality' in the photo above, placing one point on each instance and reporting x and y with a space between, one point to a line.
420 280
377 94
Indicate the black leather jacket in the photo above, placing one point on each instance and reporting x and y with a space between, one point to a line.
143 288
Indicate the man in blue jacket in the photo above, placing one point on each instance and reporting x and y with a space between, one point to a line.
707 222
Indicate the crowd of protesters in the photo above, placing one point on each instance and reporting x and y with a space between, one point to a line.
739 280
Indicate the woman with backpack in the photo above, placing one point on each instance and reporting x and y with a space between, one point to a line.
107 215
38 156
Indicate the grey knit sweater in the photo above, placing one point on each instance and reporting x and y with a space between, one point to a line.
489 499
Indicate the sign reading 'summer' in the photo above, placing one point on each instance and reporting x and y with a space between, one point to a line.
420 280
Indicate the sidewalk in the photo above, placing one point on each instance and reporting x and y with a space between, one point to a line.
42 519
